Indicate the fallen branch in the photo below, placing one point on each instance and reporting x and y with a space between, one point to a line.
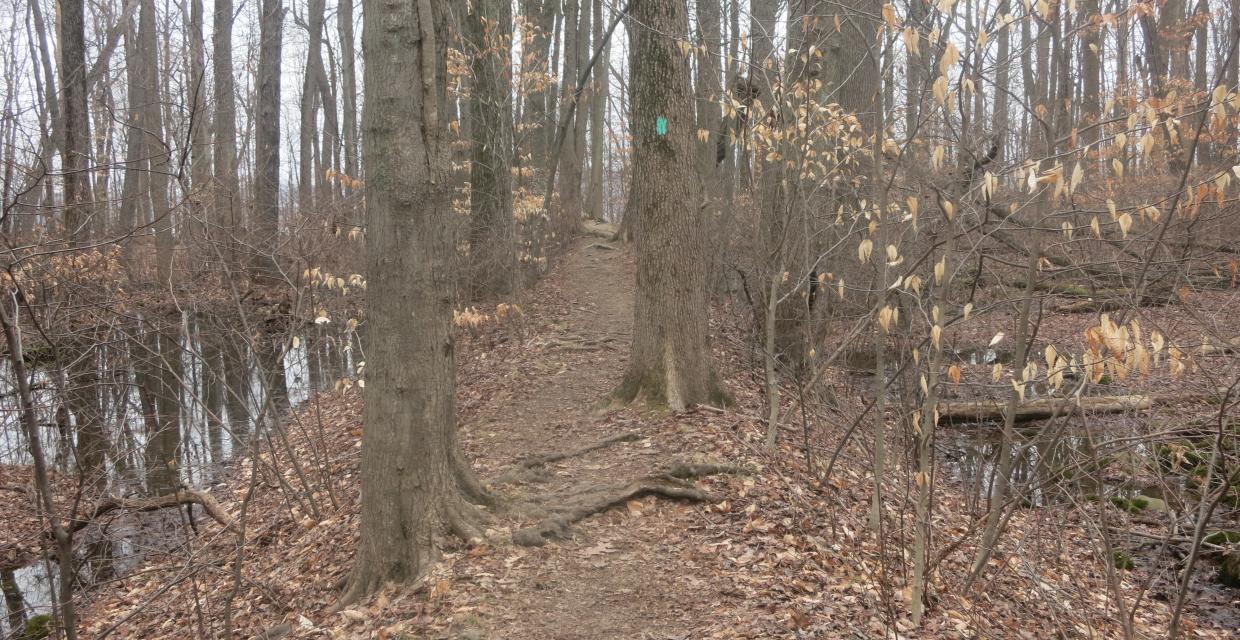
584 505
988 410
16 488
184 497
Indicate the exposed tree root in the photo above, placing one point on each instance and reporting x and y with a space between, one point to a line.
454 516
687 470
669 484
584 344
522 469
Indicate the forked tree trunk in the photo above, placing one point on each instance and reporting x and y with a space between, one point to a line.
492 230
670 362
413 481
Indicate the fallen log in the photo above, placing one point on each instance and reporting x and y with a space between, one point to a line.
990 410
176 499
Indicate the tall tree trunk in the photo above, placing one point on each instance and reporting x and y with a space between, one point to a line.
330 149
598 110
1091 69
157 148
227 197
492 230
266 221
570 152
411 463
1002 84
582 115
670 363
348 75
539 20
200 151
76 157
310 106
132 192
709 87
51 97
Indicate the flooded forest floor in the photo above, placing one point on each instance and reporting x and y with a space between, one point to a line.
777 551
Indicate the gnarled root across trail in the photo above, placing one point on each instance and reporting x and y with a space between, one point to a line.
673 483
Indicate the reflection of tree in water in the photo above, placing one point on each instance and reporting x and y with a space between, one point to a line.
1049 466
155 407
159 371
14 603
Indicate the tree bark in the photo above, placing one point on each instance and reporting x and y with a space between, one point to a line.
348 75
535 53
75 159
157 148
266 221
227 196
200 150
671 361
492 230
132 193
570 154
598 110
411 462
310 105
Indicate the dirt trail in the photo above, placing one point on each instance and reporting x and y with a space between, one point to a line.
619 574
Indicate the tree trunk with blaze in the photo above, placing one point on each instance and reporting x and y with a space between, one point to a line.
671 362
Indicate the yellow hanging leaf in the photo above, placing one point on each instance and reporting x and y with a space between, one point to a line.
910 40
889 16
1125 223
940 89
864 250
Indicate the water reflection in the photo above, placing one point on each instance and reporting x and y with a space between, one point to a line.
1049 465
157 408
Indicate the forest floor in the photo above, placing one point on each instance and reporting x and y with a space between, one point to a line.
774 553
